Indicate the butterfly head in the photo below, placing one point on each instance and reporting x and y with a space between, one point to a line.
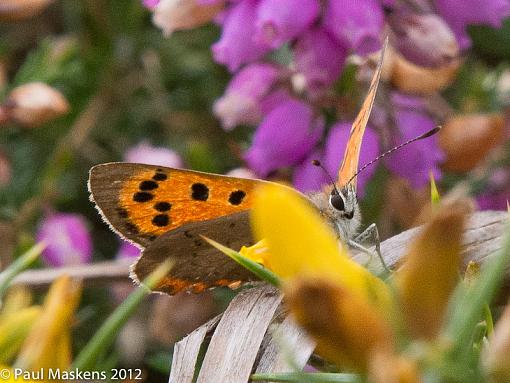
340 209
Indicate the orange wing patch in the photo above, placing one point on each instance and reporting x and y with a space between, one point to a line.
156 200
351 157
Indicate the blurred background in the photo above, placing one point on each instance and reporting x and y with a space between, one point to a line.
251 88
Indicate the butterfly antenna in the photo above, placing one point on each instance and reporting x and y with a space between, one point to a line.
319 165
394 149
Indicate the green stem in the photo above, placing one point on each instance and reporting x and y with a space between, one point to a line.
107 333
20 264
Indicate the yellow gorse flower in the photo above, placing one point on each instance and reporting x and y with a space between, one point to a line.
297 243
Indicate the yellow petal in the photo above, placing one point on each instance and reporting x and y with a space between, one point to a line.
257 253
45 339
347 329
431 270
14 328
17 298
301 244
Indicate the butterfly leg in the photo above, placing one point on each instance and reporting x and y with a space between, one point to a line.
370 235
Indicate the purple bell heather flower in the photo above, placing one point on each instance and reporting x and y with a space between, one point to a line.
286 136
461 13
356 24
145 153
127 251
308 177
319 57
67 239
494 200
151 4
336 144
281 20
497 192
274 99
414 162
240 102
424 39
237 45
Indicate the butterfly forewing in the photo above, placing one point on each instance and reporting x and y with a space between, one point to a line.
349 165
142 202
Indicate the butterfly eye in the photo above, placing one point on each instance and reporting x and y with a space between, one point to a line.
337 201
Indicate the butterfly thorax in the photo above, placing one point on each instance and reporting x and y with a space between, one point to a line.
340 209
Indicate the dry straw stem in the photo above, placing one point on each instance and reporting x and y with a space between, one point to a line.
431 269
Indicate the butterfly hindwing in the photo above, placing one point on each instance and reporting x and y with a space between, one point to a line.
349 165
142 202
198 266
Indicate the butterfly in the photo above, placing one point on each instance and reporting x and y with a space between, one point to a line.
165 211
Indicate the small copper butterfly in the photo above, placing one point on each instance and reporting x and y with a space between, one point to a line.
164 211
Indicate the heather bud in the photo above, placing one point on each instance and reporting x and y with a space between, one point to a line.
174 15
467 139
35 103
16 10
419 80
425 40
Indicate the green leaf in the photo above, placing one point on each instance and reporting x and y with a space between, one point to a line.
107 333
18 266
435 198
468 304
257 269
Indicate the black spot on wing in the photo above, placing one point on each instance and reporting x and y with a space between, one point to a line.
162 206
142 196
199 192
236 197
159 176
161 220
148 185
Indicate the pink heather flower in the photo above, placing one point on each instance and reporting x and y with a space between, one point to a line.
285 137
424 39
281 20
274 99
497 192
127 251
145 153
311 178
237 45
240 102
356 24
67 239
461 13
416 161
242 173
319 58
151 4
494 200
